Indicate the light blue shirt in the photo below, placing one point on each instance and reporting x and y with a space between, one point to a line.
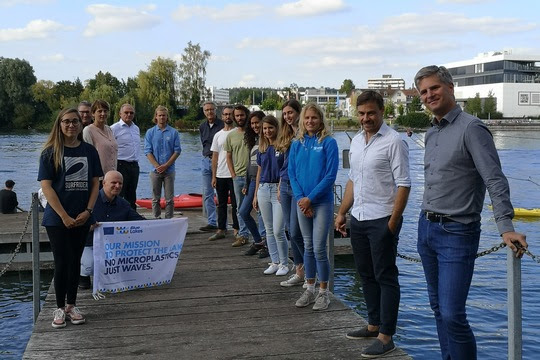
378 167
162 144
128 138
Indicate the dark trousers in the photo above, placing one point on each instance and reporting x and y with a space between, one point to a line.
375 249
130 172
224 190
67 247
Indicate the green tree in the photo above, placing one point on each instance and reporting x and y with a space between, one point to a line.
401 109
330 109
474 105
346 87
415 104
43 91
192 71
16 79
389 109
490 106
107 79
156 86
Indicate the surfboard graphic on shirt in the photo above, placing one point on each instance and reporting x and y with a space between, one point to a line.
76 173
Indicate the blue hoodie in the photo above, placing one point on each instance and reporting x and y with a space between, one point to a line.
313 168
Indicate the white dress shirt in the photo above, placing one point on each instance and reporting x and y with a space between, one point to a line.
128 138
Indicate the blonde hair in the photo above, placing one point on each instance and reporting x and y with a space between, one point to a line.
55 142
323 130
160 108
286 132
263 141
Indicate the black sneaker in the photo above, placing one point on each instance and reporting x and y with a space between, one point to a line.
253 249
378 349
84 282
208 228
263 253
362 333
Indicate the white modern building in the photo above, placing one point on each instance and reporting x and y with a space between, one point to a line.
514 81
386 82
219 96
323 97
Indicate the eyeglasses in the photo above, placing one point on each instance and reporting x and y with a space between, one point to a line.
84 112
129 112
73 122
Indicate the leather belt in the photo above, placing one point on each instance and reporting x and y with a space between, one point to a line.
436 217
129 162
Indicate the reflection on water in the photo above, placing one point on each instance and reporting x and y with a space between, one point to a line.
520 158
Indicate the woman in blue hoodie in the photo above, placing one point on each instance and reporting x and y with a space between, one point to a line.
313 165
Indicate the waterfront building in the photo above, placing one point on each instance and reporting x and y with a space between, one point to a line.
512 79
219 96
324 96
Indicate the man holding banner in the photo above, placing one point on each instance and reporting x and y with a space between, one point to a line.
109 207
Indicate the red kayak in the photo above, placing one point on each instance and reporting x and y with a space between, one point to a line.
180 201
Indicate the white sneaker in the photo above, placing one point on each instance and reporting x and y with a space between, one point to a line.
283 270
293 280
271 269
308 297
322 301
59 318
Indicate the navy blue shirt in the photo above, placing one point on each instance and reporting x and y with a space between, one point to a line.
269 163
72 183
116 210
207 135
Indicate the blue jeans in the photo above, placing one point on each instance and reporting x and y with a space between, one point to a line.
245 214
374 249
448 251
288 204
208 191
315 233
278 247
238 184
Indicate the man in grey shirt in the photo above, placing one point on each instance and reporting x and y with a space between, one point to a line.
460 162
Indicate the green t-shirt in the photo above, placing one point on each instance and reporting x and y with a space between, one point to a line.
240 153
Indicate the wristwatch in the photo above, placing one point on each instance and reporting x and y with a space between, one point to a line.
89 211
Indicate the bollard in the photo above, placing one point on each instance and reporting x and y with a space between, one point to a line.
513 278
35 256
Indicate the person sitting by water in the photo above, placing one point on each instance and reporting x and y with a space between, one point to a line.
8 199
69 172
109 207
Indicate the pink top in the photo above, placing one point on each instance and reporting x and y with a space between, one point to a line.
105 144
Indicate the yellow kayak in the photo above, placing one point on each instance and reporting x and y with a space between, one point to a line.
524 212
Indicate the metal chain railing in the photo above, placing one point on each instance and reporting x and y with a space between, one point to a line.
18 247
480 254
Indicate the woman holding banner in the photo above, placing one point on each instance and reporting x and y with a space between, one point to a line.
69 171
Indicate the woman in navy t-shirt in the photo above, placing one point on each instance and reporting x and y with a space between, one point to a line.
69 170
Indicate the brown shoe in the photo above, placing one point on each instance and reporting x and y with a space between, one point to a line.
240 241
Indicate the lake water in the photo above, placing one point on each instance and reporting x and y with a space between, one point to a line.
520 156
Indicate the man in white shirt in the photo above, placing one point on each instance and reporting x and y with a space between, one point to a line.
377 190
221 176
128 137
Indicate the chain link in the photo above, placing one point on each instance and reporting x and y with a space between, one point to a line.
18 247
480 254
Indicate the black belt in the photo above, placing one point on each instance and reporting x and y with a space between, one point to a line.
436 217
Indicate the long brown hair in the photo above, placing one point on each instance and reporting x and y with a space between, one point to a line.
286 132
263 141
55 142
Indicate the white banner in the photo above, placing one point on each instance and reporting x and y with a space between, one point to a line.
136 254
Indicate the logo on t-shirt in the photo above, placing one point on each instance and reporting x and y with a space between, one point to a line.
76 173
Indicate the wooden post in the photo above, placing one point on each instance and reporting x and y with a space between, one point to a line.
35 255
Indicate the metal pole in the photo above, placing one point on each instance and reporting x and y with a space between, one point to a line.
513 278
331 251
35 255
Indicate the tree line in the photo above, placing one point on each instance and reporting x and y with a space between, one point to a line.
26 102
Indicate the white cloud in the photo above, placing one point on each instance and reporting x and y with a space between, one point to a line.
247 80
53 58
458 23
340 61
311 7
463 1
239 11
35 29
221 58
109 18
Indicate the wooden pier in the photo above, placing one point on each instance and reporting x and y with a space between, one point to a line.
219 305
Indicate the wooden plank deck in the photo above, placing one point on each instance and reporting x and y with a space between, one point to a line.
219 305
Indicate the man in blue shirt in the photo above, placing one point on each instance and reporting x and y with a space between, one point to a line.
162 148
128 138
207 130
109 207
460 163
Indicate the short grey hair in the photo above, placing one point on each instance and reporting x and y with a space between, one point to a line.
442 74
210 103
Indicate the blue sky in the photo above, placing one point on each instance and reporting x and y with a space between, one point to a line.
264 43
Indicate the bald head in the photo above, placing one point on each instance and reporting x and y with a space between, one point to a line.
112 184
